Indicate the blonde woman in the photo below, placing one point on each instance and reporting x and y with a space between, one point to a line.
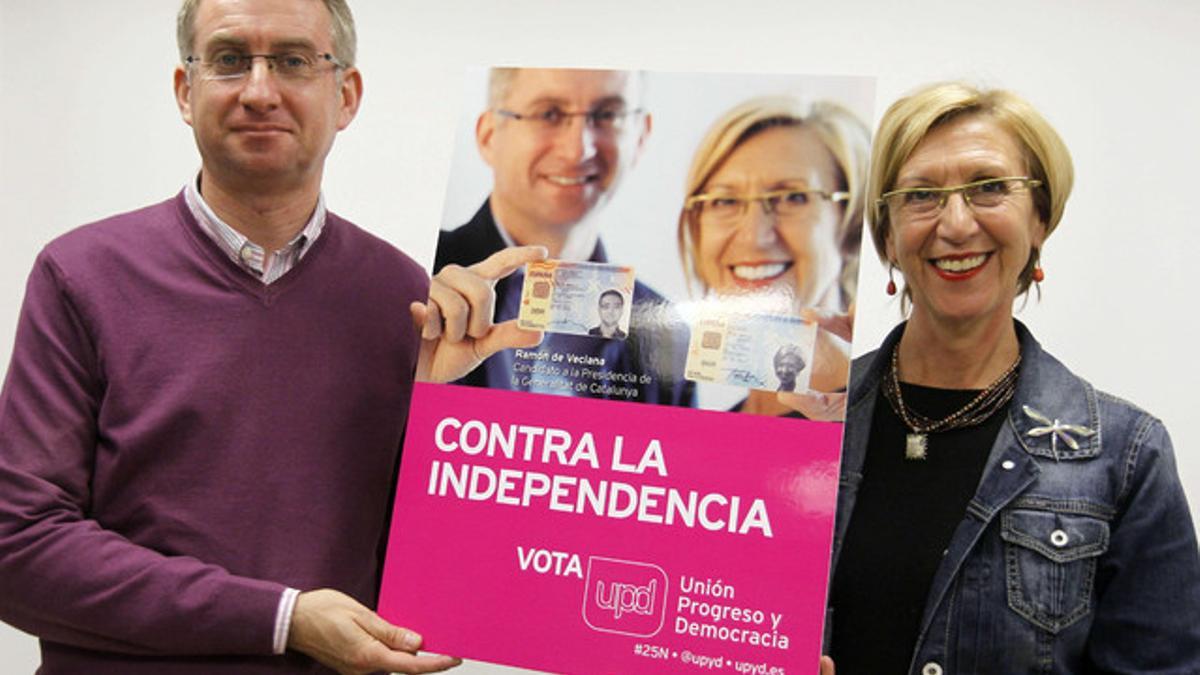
1004 515
773 219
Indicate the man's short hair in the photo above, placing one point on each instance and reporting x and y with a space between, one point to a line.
500 81
345 39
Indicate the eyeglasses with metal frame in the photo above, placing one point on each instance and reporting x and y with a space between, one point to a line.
552 117
293 64
785 204
924 202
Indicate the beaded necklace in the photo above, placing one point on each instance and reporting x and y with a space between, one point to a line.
984 405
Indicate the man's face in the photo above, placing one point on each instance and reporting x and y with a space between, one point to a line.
611 306
264 127
548 177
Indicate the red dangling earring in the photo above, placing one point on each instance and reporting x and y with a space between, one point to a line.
891 285
1038 275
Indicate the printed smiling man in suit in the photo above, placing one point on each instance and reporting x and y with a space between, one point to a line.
559 142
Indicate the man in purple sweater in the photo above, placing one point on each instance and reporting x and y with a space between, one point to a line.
203 414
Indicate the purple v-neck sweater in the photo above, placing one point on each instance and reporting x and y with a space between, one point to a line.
178 442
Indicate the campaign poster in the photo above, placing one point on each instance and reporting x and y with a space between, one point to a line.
648 483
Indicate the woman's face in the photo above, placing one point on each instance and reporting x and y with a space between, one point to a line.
962 263
793 258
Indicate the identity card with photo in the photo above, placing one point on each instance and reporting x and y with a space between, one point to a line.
758 351
577 298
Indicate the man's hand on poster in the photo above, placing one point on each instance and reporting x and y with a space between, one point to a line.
457 332
826 666
336 630
826 399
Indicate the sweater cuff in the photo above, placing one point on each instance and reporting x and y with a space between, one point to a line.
283 619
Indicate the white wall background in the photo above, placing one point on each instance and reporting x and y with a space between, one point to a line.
88 128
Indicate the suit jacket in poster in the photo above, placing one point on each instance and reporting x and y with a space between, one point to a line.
655 349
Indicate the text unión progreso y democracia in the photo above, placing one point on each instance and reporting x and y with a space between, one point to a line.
602 497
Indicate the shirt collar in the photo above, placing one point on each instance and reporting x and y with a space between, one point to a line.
504 235
241 250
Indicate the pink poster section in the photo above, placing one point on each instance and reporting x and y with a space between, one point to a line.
590 536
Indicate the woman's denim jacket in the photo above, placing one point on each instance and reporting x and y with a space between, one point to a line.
1077 553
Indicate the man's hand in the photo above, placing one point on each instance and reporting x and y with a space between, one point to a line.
457 332
826 666
336 630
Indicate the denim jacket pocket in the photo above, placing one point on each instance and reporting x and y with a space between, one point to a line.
1050 564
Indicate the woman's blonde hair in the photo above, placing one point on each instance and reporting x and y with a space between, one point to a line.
909 120
843 134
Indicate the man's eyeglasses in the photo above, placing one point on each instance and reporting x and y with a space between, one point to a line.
294 64
917 203
551 118
788 204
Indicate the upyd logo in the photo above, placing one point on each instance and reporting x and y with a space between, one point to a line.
623 596
626 598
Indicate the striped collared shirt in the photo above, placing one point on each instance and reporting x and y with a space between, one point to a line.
248 255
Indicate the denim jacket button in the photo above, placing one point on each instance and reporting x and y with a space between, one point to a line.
1058 538
931 668
1008 465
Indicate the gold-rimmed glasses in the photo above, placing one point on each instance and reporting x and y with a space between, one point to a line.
786 204
916 203
291 64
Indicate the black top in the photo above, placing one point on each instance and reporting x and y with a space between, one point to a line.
598 331
904 516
